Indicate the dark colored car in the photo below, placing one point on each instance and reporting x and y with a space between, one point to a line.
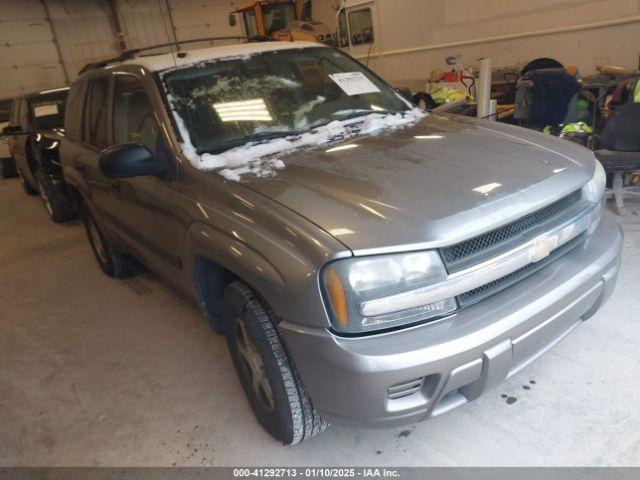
370 264
36 128
7 164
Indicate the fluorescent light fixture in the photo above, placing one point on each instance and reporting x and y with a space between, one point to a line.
485 189
343 147
373 211
204 212
558 170
427 137
54 90
336 232
243 111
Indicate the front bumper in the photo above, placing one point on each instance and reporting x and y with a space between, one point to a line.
410 375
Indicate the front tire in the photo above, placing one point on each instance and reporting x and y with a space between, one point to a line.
267 373
111 263
28 189
56 201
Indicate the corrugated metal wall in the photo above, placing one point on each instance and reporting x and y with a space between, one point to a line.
83 31
29 59
43 43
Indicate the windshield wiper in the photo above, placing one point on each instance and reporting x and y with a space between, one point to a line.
254 137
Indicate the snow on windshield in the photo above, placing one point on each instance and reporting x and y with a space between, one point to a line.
215 97
263 158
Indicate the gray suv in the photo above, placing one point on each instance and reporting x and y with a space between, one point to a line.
369 264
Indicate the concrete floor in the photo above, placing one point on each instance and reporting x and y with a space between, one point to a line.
96 371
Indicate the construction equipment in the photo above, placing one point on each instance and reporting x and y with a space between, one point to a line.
282 20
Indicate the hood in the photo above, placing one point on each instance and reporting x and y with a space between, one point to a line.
436 183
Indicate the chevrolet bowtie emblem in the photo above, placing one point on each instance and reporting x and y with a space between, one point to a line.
542 247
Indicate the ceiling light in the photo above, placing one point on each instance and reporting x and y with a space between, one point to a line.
485 189
243 111
343 147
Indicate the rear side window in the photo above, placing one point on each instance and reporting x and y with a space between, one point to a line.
133 119
73 116
95 120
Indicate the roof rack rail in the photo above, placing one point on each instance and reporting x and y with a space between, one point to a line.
127 54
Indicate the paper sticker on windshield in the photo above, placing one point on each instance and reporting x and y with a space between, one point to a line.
44 110
354 83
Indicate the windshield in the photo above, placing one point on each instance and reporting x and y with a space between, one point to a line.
47 111
227 102
277 17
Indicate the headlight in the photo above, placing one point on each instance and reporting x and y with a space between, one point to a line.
594 190
350 284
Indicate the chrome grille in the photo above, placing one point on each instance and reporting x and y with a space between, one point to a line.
491 288
477 249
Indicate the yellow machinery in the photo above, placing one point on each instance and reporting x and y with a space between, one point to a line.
280 20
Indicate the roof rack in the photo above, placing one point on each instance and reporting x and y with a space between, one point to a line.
131 53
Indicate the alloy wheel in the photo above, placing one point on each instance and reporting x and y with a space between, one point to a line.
96 240
254 367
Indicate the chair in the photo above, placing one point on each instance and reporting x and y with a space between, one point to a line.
620 156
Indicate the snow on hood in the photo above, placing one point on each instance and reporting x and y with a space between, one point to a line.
262 158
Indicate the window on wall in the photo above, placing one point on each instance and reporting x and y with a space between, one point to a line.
133 119
95 132
361 26
250 27
278 16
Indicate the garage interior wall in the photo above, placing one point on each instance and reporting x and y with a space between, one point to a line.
44 43
415 36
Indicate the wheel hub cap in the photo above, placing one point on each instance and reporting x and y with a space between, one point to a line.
97 241
254 366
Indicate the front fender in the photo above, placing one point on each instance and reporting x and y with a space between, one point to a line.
273 250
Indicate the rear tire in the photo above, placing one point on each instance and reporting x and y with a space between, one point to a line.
56 201
267 373
8 168
28 189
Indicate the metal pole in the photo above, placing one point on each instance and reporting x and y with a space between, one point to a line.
173 26
116 28
483 92
55 41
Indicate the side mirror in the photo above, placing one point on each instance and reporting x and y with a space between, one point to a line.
130 160
232 20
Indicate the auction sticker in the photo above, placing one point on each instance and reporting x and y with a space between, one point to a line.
354 83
